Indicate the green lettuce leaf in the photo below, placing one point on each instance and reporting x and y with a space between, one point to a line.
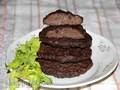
24 66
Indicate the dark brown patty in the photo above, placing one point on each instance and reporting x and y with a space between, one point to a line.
65 70
63 55
65 36
60 17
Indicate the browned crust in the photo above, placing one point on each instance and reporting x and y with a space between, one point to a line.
63 55
65 70
45 19
66 42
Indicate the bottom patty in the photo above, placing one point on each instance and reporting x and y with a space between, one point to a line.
63 55
66 70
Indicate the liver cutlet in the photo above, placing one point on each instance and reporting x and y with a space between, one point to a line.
65 36
63 55
64 70
60 17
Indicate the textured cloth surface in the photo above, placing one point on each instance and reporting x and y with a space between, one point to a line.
19 17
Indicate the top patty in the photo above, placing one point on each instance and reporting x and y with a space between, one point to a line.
65 36
60 17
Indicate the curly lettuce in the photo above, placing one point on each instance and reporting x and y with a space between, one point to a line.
24 66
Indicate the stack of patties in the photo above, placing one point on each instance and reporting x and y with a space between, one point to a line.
65 45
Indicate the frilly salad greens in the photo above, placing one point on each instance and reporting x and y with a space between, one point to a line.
24 66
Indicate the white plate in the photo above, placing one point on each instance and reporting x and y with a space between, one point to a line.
104 59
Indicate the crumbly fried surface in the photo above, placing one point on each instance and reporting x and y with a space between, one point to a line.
63 55
65 36
66 70
60 17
